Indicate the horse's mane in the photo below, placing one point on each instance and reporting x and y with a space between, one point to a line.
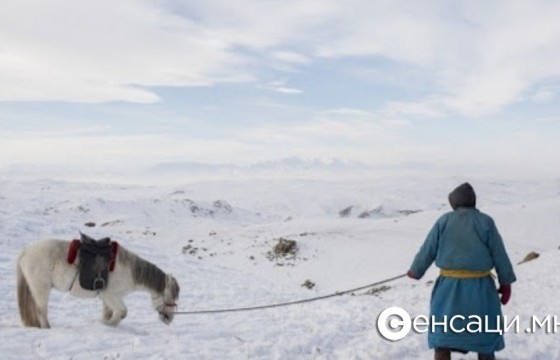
144 273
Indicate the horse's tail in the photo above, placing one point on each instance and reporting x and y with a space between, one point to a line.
26 301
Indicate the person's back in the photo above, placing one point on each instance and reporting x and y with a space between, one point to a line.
465 244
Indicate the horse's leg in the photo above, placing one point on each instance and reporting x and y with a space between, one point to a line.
41 291
34 292
114 309
42 308
107 313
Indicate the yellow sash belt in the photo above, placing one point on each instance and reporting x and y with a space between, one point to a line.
464 274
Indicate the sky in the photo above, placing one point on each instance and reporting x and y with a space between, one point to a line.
114 85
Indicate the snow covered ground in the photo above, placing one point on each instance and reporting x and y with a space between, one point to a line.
216 238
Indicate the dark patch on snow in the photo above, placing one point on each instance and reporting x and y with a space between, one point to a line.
376 291
284 252
346 212
530 256
285 247
308 284
375 213
112 223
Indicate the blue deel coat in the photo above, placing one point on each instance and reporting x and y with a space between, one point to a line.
465 239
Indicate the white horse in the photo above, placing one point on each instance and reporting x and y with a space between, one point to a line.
43 266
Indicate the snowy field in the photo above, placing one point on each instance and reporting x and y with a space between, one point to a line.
216 237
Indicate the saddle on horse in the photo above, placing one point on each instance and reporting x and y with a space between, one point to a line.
96 259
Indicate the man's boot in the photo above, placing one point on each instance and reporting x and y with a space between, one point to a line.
442 354
486 356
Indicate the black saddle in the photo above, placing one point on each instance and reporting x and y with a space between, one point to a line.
95 257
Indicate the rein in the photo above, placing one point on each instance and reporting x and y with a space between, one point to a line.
270 306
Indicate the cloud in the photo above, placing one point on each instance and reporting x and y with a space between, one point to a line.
280 87
105 51
482 57
378 28
287 90
261 25
291 57
113 152
543 96
478 57
427 109
337 125
343 133
340 133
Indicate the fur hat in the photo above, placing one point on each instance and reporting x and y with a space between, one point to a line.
462 196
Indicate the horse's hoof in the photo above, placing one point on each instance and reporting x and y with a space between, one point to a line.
166 318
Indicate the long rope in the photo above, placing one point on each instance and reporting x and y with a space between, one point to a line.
261 307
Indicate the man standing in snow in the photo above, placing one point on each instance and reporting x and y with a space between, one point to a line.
465 245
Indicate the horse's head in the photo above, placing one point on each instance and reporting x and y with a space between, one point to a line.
170 296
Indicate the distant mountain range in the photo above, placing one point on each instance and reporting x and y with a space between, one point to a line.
281 165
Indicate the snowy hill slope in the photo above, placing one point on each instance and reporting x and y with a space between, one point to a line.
216 238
